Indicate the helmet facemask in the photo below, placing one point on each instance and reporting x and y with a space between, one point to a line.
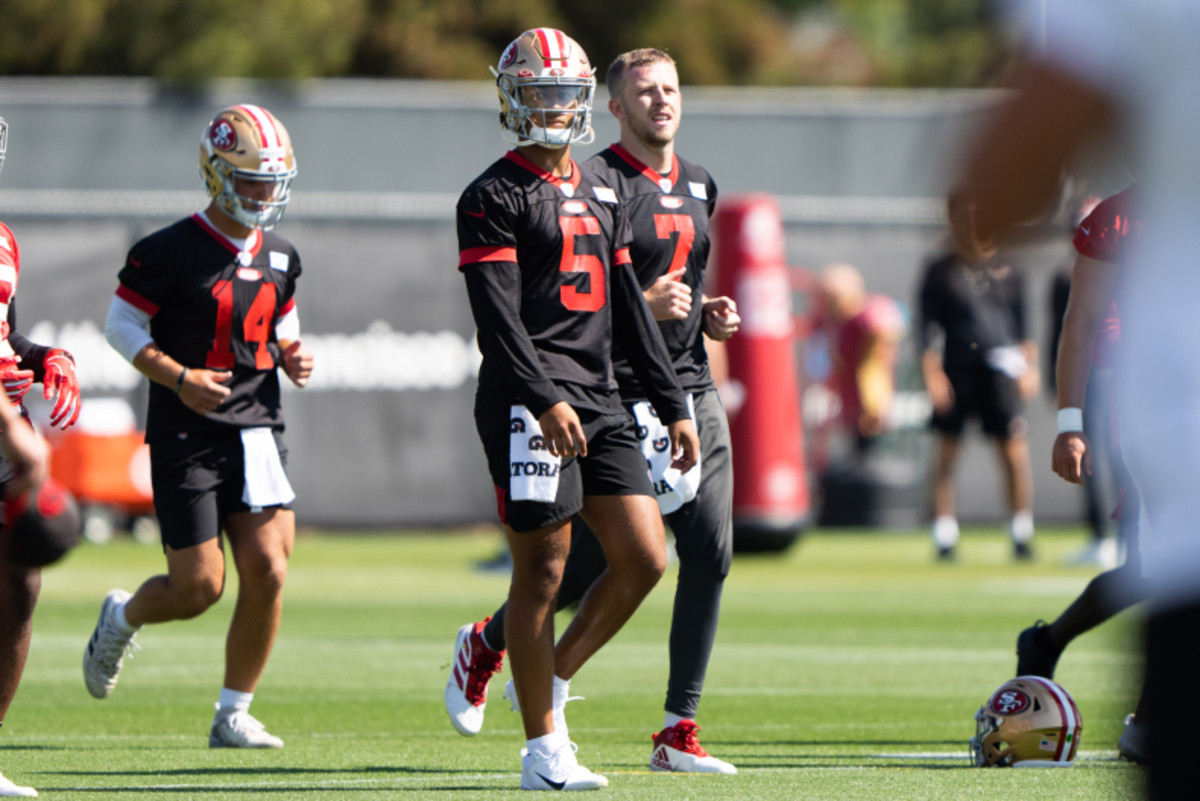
262 208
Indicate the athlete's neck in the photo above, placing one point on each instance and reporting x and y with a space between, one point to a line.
658 157
554 160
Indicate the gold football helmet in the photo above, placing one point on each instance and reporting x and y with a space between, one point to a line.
545 73
1030 722
247 144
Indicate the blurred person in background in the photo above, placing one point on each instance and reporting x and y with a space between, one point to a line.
862 332
1108 71
978 362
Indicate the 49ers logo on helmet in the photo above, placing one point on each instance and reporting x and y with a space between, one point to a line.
510 55
1010 702
222 135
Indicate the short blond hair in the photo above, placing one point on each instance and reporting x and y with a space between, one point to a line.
614 79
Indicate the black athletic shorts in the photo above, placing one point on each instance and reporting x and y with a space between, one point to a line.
986 394
198 481
614 466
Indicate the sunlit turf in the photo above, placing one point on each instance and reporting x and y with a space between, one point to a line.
849 667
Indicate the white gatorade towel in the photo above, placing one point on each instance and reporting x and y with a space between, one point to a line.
671 489
266 482
532 469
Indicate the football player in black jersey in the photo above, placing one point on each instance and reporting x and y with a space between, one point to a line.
669 201
206 311
544 251
22 462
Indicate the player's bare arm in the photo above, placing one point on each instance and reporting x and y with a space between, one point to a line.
941 395
297 361
200 389
1091 294
721 320
668 297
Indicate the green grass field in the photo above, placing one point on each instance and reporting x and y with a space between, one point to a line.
848 668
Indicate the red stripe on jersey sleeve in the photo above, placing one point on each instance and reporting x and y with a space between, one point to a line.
476 255
129 296
288 307
622 256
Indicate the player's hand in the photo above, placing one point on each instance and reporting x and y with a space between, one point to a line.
941 393
668 297
203 390
16 381
1071 457
721 319
1029 384
25 448
562 431
61 383
685 444
297 363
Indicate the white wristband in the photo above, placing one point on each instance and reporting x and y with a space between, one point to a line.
1070 419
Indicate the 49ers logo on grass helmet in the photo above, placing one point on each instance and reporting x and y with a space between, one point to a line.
1029 722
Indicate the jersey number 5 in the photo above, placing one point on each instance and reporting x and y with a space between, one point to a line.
256 327
572 296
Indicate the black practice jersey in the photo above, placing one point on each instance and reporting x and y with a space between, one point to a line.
212 307
547 268
976 309
668 215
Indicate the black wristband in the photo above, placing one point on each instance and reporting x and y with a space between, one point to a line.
179 383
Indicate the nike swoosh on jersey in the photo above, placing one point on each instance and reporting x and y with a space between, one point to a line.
478 214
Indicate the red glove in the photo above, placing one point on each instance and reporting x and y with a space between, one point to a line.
16 382
60 381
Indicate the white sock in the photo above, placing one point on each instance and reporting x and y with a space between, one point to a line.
235 699
547 743
122 623
945 531
670 719
1022 527
562 690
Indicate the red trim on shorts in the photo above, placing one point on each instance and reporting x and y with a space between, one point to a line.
501 506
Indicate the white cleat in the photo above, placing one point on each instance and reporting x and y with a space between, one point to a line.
235 728
678 749
466 689
557 771
10 790
106 650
